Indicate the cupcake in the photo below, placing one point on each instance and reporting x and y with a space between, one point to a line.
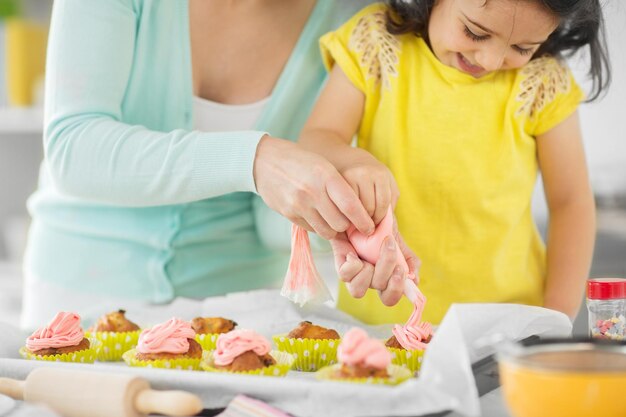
167 345
246 352
116 333
312 346
209 328
62 340
409 341
363 360
308 330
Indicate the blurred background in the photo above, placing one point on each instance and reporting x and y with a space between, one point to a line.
23 35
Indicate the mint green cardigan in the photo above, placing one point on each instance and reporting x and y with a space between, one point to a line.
131 201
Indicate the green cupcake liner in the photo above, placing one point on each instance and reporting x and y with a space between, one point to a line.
183 363
309 354
284 362
208 341
114 344
80 356
409 359
397 375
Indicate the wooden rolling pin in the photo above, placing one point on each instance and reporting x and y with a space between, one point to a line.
86 393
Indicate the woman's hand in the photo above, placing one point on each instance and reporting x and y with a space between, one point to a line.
371 180
307 189
386 276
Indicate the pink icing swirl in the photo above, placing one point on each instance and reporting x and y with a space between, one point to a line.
168 337
234 343
357 349
413 335
64 330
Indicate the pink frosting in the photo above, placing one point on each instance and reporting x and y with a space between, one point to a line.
368 247
414 333
64 330
168 337
357 349
234 343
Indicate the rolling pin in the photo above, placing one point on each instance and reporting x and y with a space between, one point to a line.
80 393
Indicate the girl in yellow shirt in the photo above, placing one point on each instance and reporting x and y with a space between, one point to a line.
456 105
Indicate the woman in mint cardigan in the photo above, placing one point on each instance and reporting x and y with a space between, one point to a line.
135 204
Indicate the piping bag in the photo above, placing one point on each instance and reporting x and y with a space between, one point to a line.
415 334
303 282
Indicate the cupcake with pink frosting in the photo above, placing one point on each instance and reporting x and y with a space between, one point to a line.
61 340
409 341
363 360
246 352
169 345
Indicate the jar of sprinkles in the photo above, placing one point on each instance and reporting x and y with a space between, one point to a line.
606 302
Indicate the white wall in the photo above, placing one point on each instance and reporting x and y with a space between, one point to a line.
604 122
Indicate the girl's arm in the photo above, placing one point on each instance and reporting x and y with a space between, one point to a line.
571 231
329 132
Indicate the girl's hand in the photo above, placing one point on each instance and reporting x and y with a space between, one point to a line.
386 276
307 189
371 180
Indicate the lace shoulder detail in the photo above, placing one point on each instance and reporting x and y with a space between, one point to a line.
542 79
378 49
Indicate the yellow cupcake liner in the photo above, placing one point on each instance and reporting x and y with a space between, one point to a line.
184 363
397 375
284 362
114 344
409 359
208 341
309 354
80 356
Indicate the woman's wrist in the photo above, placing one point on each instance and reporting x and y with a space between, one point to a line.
265 146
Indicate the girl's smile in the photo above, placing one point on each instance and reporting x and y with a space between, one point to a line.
481 36
465 65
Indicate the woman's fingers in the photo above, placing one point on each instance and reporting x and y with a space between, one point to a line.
387 263
347 263
356 273
350 268
346 200
318 224
383 200
333 217
391 295
359 285
303 224
367 194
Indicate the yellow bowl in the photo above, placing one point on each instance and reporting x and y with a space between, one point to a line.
565 378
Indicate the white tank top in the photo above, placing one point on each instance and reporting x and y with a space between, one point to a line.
210 116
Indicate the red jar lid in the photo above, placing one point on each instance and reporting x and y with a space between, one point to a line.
606 288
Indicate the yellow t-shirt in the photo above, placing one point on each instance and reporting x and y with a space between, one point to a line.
463 153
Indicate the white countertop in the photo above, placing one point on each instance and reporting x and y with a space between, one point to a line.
492 405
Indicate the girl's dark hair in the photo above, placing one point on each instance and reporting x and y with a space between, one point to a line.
581 24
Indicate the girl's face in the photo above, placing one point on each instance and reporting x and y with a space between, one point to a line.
481 36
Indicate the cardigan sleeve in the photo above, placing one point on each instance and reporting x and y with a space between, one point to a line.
91 153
